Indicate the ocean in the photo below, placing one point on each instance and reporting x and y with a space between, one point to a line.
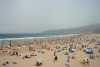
21 38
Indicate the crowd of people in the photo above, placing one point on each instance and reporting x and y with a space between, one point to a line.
70 45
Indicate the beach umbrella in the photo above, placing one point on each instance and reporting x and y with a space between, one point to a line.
8 46
18 47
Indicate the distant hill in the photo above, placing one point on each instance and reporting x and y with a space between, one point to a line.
93 28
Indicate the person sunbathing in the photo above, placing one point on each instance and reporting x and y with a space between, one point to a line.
29 55
66 53
25 57
67 65
7 63
33 54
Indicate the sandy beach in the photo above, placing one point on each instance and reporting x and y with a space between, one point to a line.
88 40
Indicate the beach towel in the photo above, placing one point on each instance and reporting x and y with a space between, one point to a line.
73 58
68 60
14 62
89 52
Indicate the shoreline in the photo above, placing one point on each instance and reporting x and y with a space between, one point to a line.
32 39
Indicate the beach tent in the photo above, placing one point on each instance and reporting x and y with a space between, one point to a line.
59 50
88 51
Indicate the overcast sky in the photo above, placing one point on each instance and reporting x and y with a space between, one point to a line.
34 16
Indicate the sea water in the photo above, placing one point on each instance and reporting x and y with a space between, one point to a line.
22 38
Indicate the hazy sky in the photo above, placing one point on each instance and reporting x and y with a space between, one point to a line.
34 16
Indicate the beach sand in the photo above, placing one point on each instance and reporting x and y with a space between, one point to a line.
48 56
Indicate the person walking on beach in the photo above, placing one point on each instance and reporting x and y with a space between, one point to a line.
87 61
55 58
16 53
54 53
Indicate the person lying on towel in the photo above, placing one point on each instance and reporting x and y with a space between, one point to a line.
6 64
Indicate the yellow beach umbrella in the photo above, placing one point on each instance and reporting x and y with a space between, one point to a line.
8 46
18 47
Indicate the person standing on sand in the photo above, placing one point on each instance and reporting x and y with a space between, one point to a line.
55 58
16 53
